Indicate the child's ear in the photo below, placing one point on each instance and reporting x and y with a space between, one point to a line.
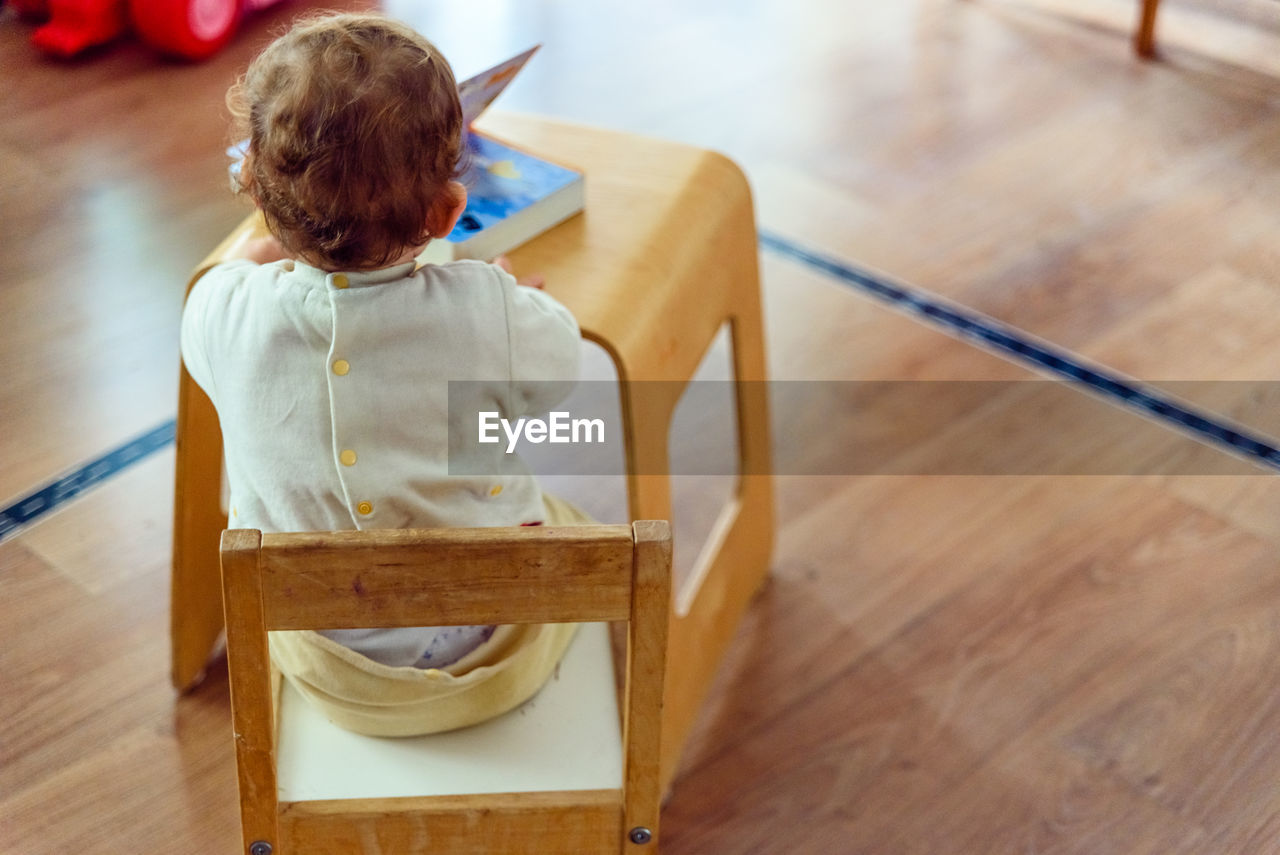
447 209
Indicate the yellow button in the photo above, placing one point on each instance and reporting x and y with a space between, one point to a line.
495 489
365 508
340 281
341 367
348 457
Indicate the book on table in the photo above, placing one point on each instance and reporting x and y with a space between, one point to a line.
512 195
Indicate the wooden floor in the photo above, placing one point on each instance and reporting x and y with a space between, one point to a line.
940 664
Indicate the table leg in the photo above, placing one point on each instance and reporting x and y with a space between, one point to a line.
195 595
705 611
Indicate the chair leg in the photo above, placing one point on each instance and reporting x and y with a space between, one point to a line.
1144 40
195 595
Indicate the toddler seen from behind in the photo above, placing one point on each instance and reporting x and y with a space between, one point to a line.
328 353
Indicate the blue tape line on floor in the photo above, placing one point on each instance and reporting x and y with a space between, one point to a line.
45 499
1023 348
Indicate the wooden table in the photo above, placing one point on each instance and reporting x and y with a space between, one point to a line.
664 255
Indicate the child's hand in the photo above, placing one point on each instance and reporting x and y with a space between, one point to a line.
533 280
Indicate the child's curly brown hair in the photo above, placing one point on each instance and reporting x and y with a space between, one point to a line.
355 131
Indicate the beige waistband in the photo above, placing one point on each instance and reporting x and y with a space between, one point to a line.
379 700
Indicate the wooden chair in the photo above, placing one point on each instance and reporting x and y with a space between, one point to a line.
495 575
664 258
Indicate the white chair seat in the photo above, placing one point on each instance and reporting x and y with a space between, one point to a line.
566 737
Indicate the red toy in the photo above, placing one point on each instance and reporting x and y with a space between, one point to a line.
192 29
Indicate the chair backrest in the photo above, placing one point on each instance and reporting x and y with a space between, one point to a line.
436 577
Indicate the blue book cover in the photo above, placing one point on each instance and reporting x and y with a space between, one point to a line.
502 182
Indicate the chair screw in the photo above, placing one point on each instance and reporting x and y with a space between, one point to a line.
640 835
260 847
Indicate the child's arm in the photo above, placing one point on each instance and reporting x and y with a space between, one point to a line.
544 343
209 296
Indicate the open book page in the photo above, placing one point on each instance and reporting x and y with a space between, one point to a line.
478 92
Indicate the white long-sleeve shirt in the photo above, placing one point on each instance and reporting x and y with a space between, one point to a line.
332 390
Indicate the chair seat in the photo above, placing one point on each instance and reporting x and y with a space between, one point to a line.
566 737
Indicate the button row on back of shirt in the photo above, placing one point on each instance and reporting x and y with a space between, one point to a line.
341 367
